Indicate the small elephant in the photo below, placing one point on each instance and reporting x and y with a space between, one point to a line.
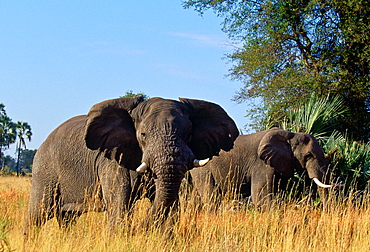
90 157
261 163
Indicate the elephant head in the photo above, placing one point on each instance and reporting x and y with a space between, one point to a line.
288 152
166 136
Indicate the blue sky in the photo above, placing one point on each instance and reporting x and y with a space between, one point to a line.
58 58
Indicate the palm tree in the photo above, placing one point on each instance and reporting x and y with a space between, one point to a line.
23 131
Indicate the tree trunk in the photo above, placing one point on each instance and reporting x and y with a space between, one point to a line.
19 154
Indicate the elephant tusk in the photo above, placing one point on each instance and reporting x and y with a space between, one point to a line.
199 163
319 183
142 168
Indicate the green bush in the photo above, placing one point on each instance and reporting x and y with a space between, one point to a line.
350 161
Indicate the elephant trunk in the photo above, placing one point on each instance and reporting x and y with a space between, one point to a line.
321 177
169 160
318 171
166 197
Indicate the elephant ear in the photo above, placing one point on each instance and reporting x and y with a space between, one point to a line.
212 128
275 151
110 129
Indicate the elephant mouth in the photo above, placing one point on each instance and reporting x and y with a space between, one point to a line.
196 163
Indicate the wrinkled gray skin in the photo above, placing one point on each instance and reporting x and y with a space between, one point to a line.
90 157
259 164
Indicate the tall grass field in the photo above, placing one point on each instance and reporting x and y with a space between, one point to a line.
292 226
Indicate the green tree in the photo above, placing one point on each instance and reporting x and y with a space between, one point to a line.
2 109
26 160
350 161
7 133
8 165
291 48
23 133
130 93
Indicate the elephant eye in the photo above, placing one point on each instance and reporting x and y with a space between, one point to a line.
188 138
308 156
142 139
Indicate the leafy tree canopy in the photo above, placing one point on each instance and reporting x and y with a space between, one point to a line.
8 132
292 48
130 93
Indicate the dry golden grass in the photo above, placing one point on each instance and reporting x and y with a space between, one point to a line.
341 227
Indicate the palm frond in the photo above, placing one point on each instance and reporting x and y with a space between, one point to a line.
315 117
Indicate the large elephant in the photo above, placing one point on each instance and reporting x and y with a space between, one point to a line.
89 157
261 163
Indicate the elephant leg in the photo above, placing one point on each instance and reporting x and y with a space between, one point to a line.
262 188
142 186
67 218
136 185
116 188
44 201
43 204
68 214
280 183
